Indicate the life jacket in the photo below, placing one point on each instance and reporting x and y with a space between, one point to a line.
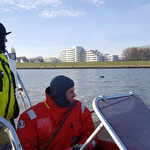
7 93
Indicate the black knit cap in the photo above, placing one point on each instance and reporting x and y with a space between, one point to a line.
3 33
58 88
3 30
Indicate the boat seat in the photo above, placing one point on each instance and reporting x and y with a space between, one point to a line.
126 118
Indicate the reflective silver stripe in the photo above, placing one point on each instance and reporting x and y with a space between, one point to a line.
31 114
93 143
83 108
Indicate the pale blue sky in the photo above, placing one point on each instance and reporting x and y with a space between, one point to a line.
45 27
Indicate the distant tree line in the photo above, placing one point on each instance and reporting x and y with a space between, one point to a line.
136 54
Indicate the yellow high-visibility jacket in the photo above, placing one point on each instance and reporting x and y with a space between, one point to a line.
7 89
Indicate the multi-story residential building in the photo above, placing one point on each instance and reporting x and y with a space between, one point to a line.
108 57
93 55
67 55
75 54
79 54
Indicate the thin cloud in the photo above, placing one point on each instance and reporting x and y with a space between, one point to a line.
6 10
7 2
98 1
30 4
61 12
46 8
15 19
146 6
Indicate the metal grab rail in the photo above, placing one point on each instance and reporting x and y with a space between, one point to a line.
9 129
91 138
22 85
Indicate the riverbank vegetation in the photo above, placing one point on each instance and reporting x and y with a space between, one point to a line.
137 54
52 65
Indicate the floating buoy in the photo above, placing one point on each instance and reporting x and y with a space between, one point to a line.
101 76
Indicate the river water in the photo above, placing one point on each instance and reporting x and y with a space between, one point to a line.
88 83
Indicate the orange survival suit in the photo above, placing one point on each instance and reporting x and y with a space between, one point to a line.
37 125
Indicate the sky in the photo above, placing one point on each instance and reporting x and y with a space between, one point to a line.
45 27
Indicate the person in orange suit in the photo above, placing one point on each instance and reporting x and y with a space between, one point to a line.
38 124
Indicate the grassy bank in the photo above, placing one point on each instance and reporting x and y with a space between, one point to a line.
119 64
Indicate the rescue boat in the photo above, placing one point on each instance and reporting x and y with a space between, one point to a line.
8 136
125 117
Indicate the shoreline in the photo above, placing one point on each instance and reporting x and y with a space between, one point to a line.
128 67
85 65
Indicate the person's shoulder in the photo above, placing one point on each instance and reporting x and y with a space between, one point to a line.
82 106
33 109
2 56
79 103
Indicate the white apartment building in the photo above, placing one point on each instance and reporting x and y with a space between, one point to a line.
93 55
108 57
75 54
79 54
67 55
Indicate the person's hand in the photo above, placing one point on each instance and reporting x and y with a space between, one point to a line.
76 147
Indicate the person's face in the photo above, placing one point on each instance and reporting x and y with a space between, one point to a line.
70 94
5 40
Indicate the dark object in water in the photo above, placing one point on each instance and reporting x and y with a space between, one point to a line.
101 76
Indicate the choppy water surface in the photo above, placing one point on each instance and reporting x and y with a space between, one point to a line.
88 83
